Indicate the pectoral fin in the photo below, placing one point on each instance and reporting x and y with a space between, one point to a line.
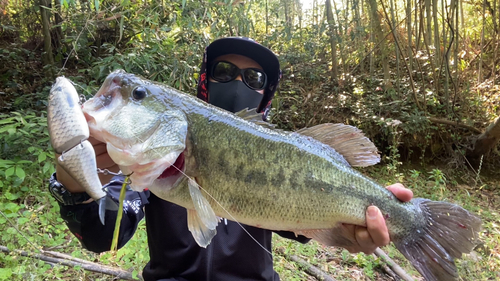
201 234
202 221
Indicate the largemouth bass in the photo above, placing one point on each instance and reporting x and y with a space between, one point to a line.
218 164
69 132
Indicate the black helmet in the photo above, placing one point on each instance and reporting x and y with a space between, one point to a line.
249 48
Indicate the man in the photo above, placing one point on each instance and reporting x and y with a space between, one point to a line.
236 73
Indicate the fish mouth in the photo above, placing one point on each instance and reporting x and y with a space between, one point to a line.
165 171
175 169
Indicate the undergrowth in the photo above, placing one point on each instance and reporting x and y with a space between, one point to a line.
30 219
26 163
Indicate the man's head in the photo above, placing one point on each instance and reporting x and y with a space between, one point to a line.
237 73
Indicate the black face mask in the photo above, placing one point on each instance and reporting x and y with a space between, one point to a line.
233 96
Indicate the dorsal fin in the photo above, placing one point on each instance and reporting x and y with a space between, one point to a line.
347 140
253 116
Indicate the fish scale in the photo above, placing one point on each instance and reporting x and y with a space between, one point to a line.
240 168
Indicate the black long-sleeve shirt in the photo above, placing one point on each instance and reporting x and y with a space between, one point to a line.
174 254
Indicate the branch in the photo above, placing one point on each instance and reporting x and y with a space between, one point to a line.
453 123
71 261
401 52
309 268
394 266
484 143
388 270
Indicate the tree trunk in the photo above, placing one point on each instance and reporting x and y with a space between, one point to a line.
457 38
48 58
58 21
408 33
340 34
484 143
494 74
267 17
377 30
428 17
437 44
333 41
373 40
479 72
357 34
394 24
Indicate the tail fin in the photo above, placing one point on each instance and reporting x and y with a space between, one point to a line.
449 231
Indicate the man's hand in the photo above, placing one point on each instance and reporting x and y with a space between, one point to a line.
103 161
375 234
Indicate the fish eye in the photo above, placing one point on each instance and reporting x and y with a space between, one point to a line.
139 93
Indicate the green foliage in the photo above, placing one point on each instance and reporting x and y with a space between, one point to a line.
30 219
25 164
24 150
164 41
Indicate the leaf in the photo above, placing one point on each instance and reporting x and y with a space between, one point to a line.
8 128
12 207
22 220
11 196
41 157
46 167
9 172
11 230
20 172
5 163
6 121
96 4
5 273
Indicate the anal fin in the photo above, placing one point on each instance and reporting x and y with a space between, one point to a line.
338 236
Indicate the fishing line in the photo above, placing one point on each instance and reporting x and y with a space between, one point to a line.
74 45
233 218
203 189
210 195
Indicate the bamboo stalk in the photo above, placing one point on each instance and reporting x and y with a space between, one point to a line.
308 268
453 123
393 265
64 260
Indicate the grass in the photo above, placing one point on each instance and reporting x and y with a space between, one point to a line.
26 163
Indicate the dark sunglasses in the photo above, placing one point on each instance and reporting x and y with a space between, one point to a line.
223 71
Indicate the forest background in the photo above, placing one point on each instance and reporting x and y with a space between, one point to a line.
420 78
